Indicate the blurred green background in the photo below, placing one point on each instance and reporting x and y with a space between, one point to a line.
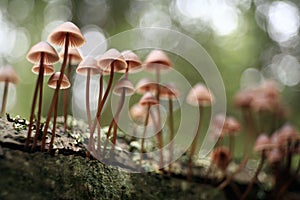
247 39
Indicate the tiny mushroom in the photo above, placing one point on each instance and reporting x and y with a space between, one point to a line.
7 75
52 83
199 96
43 56
170 92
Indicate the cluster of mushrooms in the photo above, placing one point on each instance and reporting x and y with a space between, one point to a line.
266 132
262 112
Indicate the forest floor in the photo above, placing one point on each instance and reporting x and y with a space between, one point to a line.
67 173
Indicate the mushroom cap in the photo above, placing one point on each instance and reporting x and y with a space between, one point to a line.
8 74
138 112
48 69
50 55
169 91
221 157
88 63
76 57
148 100
110 58
126 84
232 125
200 95
263 142
58 35
243 98
287 133
133 61
52 82
157 59
146 85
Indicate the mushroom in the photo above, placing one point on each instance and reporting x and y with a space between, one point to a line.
66 34
158 61
262 145
111 61
74 58
7 75
123 88
147 100
170 92
198 96
88 66
52 83
42 55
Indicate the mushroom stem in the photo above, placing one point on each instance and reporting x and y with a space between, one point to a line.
254 178
194 144
41 71
159 134
88 110
66 94
100 106
231 143
4 97
98 125
171 126
54 126
55 96
144 134
114 122
34 101
289 182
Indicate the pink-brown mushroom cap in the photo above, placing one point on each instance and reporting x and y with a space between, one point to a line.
35 52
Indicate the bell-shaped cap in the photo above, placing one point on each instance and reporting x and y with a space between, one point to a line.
52 82
8 74
287 133
169 91
58 35
148 100
124 84
48 69
134 63
199 95
110 58
262 143
88 63
35 53
74 54
146 85
157 60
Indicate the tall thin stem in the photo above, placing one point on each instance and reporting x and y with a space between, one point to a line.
6 83
159 134
88 110
54 126
55 96
98 125
171 126
66 94
144 134
194 144
37 131
34 102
